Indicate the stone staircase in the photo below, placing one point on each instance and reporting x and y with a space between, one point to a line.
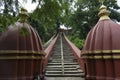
63 65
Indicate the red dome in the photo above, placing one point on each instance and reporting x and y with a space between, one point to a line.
104 36
101 53
12 39
21 38
21 51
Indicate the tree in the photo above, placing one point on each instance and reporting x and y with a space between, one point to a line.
9 9
86 16
51 14
81 15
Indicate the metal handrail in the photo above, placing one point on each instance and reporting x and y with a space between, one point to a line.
62 57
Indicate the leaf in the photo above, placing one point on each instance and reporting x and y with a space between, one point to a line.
24 31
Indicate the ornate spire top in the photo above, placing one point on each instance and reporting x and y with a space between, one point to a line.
23 15
104 13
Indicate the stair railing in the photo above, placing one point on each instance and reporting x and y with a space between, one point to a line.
62 58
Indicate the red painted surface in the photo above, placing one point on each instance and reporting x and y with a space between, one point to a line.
21 69
48 50
100 69
76 52
29 69
101 41
23 51
117 68
90 69
109 68
8 70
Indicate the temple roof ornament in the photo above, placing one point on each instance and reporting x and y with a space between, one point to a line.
23 15
104 13
104 36
21 37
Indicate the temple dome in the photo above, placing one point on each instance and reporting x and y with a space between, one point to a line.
104 37
21 37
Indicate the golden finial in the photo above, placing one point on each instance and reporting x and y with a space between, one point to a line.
23 15
101 1
104 13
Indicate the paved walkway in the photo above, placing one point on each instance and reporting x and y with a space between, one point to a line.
64 78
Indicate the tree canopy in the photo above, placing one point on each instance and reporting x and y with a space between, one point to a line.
80 15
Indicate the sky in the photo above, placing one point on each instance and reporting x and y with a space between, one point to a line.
118 2
31 6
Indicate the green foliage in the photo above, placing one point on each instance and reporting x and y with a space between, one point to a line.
50 14
42 31
5 21
8 11
86 16
77 41
24 31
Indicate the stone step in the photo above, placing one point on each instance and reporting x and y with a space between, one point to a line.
64 55
65 58
60 69
58 61
65 75
65 69
56 55
61 64
71 67
68 53
53 69
65 72
65 66
55 59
